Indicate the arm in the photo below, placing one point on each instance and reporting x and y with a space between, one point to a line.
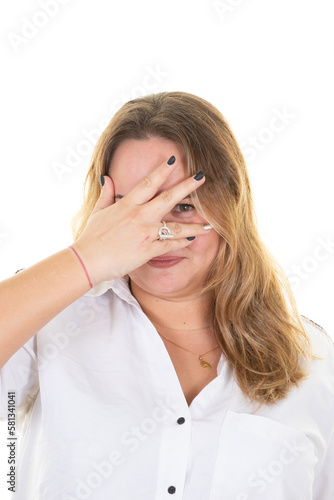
118 238
31 298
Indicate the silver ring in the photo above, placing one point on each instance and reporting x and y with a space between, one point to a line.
164 232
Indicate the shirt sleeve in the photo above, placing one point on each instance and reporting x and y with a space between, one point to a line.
18 375
323 488
324 484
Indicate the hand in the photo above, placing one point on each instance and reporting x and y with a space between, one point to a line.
120 237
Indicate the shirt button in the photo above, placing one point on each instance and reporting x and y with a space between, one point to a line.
171 489
181 420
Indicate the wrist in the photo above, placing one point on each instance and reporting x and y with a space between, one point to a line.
83 261
82 264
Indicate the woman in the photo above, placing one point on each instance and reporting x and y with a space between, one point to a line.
186 370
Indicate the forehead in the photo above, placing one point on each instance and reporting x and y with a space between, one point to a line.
134 159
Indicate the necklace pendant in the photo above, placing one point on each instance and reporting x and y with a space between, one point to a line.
204 364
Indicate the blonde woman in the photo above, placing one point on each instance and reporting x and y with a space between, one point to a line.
161 355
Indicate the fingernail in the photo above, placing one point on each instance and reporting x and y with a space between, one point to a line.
199 176
207 226
190 238
171 160
102 180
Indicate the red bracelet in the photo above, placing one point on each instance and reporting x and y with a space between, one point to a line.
83 265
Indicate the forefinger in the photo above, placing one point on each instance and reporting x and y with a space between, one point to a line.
148 187
166 200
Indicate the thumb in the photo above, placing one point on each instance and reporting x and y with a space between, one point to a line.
107 194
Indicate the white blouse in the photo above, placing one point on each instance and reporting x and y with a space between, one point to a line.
110 420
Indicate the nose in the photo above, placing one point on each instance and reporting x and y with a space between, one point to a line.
169 217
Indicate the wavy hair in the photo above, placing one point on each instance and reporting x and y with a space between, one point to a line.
254 314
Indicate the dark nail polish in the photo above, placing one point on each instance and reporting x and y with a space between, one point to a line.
190 238
171 160
199 176
102 180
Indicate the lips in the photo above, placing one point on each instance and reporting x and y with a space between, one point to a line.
167 261
169 257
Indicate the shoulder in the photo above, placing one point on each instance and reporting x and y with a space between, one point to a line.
320 379
82 315
322 342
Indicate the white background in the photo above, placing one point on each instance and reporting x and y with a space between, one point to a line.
253 59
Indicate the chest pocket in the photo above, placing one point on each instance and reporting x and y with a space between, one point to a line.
260 459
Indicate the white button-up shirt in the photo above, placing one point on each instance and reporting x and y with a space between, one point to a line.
110 420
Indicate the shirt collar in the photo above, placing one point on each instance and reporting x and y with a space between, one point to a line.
119 285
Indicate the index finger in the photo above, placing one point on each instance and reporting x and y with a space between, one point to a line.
166 200
147 187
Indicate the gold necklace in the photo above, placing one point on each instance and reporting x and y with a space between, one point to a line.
181 329
203 363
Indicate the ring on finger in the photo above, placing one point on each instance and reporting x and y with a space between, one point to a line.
165 232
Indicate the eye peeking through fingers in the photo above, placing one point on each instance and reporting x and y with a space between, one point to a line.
183 208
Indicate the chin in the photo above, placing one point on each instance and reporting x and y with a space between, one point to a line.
162 283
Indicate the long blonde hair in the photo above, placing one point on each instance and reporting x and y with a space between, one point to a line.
254 314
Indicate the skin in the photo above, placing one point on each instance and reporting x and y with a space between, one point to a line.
174 292
116 241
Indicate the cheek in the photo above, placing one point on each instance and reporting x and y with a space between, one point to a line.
206 246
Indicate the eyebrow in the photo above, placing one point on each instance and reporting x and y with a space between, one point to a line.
122 196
